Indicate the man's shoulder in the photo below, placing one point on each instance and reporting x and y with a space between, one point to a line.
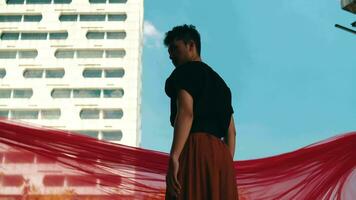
215 76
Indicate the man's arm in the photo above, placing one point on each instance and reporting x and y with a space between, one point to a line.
182 125
183 122
230 138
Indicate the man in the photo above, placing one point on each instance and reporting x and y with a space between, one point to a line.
200 121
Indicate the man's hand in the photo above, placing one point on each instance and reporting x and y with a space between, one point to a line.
172 182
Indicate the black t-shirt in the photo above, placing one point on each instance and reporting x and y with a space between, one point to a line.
212 107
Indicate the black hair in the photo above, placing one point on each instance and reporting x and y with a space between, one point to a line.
184 32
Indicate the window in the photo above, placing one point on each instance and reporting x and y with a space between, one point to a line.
62 1
114 53
92 73
95 35
54 73
87 17
112 114
33 73
58 36
50 114
34 36
90 53
2 73
86 93
10 18
61 93
4 113
38 1
5 93
97 1
113 93
117 17
64 54
112 135
23 93
68 18
15 1
115 35
32 18
89 133
114 73
28 54
7 54
89 114
10 36
24 114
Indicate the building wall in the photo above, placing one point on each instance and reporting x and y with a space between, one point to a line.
127 105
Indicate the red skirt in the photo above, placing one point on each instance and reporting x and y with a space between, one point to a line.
206 170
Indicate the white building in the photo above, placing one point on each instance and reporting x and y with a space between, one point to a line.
73 65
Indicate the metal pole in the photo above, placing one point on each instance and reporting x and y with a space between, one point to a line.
345 28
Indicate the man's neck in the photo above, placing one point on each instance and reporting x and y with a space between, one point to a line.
197 58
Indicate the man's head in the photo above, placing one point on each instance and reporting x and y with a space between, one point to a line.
183 44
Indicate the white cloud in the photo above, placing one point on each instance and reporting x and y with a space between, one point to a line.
152 37
150 30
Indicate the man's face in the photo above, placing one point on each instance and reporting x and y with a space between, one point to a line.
179 52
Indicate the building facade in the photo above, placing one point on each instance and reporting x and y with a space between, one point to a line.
73 65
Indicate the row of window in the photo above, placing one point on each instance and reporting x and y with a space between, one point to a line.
59 1
59 73
108 73
105 35
87 73
16 93
21 54
92 17
31 114
59 35
93 113
87 93
56 113
38 73
34 36
64 17
90 53
64 93
115 135
65 53
20 18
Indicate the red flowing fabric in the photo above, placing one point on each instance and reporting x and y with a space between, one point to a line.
41 163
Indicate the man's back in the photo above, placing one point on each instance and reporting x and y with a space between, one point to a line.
212 97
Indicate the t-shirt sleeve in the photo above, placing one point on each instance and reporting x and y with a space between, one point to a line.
188 78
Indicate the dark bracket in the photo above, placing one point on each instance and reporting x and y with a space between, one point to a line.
345 28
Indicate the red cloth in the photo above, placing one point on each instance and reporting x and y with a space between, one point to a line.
38 162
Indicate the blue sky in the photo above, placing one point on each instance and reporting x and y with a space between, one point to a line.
291 72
